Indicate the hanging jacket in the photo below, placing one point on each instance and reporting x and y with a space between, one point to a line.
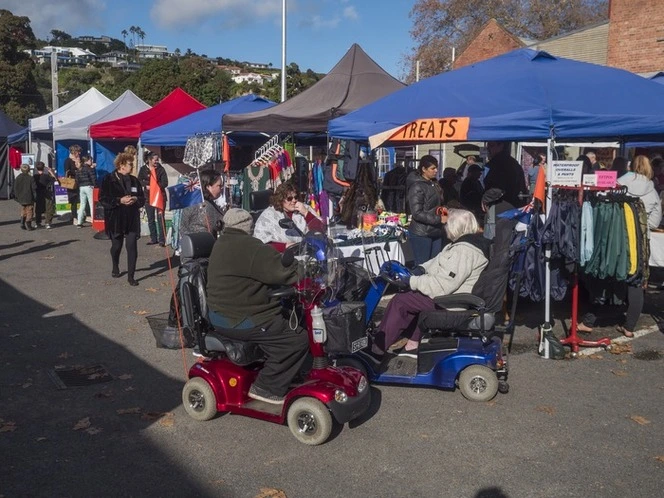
424 199
587 244
640 186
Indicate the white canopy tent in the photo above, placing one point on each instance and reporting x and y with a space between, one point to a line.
40 129
84 105
125 105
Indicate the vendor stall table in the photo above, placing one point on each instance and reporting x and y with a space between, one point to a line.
375 253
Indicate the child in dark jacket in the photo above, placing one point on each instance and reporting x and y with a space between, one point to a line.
25 193
45 199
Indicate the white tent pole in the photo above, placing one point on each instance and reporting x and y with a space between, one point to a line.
283 51
547 250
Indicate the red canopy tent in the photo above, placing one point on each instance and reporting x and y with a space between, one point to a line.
175 105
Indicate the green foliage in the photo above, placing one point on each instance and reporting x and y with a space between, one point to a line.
20 98
25 87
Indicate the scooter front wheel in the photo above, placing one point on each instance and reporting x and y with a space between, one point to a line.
310 421
478 383
199 400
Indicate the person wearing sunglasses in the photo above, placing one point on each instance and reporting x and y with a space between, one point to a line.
285 203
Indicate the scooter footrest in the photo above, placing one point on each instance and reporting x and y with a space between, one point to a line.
400 365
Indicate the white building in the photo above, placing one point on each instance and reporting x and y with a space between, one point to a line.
248 78
66 55
152 51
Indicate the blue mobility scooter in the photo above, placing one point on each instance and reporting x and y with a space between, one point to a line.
461 346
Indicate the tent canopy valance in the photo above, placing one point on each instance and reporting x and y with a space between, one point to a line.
356 80
204 121
125 105
522 95
175 105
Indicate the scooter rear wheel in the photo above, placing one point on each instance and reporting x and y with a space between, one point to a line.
199 400
478 383
310 421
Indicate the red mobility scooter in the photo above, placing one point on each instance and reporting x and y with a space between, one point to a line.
220 381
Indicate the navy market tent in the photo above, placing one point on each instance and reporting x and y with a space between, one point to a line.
204 121
522 95
7 127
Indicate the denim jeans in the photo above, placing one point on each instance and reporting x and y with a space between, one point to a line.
424 248
86 196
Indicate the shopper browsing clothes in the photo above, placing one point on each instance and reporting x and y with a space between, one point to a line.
86 179
25 193
72 164
45 199
155 215
122 198
424 200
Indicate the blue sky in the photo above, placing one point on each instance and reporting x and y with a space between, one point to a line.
319 32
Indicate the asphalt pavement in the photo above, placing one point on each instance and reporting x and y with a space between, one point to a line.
589 426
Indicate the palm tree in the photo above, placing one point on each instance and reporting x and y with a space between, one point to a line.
140 33
124 39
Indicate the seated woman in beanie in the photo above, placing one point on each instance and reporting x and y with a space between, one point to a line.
241 272
454 270
285 203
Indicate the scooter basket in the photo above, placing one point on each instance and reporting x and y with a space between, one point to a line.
168 337
346 327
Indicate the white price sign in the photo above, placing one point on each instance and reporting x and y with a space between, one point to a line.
566 173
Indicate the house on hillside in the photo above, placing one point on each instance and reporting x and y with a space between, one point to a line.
152 51
249 78
67 56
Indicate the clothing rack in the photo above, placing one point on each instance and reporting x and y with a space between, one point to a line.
573 340
266 148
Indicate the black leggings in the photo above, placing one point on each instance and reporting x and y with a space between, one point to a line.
117 240
635 298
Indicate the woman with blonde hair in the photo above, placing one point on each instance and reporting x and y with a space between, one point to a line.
639 184
72 165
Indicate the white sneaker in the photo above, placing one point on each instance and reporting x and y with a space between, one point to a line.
48 227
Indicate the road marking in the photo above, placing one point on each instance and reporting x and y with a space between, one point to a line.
622 340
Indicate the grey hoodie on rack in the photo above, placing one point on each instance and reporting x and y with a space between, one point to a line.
640 186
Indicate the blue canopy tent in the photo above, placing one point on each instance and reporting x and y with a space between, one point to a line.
204 121
658 78
522 95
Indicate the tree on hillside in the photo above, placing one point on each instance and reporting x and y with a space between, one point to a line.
439 25
19 96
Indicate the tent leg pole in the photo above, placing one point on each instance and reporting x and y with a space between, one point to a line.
547 250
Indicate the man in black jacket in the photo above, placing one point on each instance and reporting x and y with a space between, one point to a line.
241 272
505 173
155 215
45 199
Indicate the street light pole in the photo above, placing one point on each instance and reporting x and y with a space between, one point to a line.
54 80
283 50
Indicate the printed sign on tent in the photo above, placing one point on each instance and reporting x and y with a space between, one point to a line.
566 173
428 130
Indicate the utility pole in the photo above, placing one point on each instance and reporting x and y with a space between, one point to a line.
54 79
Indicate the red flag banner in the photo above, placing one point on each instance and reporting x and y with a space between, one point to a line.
157 199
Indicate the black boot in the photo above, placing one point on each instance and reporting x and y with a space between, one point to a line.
28 225
23 223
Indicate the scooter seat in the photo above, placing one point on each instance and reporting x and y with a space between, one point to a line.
453 320
239 352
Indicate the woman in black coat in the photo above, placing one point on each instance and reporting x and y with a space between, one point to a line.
122 198
425 232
